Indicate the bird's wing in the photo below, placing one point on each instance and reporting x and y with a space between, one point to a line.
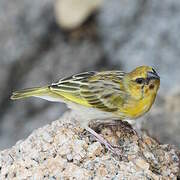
101 90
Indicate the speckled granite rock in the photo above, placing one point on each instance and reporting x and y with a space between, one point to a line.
63 150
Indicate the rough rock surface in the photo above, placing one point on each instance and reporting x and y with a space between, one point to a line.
62 150
124 34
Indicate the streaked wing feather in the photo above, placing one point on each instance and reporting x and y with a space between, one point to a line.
78 77
101 90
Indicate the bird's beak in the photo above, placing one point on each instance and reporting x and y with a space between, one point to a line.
153 75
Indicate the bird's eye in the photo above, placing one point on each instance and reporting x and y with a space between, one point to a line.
140 80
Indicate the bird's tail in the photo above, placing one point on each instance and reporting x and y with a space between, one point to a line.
36 92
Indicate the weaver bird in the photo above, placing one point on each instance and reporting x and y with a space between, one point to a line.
102 95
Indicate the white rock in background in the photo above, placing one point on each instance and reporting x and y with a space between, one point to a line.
72 13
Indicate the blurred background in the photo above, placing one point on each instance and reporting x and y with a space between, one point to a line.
43 41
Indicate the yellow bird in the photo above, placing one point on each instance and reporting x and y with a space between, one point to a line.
102 95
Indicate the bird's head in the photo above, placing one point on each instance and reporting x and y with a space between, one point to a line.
142 82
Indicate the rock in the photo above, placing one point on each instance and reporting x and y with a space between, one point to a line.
62 150
34 51
94 150
163 120
70 14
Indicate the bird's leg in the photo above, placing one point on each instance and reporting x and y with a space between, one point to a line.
103 141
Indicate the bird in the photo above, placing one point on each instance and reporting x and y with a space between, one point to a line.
102 95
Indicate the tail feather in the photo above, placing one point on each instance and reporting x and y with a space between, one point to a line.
38 91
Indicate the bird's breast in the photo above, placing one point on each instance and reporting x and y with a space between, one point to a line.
136 108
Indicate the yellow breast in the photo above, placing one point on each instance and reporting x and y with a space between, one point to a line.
134 109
